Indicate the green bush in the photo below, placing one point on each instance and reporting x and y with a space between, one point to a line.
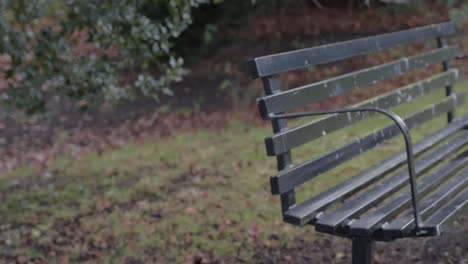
81 48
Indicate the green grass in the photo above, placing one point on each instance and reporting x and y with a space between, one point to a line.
205 192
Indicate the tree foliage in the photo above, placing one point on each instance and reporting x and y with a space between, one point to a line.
87 49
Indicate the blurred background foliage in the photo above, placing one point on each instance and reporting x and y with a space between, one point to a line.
95 51
80 48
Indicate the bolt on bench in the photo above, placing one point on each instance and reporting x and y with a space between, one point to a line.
399 197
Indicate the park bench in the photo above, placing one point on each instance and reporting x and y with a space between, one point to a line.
412 193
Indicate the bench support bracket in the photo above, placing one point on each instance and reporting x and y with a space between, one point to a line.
362 250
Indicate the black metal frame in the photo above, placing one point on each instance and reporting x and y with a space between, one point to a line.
362 250
441 43
271 85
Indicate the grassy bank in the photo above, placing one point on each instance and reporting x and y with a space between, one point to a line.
201 195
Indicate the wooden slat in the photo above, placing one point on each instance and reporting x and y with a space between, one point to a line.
428 206
448 212
294 137
308 210
332 221
368 224
290 99
299 59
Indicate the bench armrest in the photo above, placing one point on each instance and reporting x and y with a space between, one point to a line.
408 142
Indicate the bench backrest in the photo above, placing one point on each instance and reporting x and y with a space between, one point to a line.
277 101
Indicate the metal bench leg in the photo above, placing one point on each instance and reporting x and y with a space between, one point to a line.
362 250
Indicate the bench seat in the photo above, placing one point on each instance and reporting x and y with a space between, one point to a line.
345 221
306 212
